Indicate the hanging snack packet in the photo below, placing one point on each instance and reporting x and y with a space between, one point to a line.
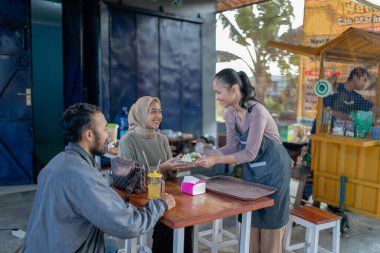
363 123
338 128
350 128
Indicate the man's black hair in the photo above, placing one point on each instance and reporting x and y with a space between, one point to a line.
76 119
359 72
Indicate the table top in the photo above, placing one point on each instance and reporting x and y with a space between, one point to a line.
190 210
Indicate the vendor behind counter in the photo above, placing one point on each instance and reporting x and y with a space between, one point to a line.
350 111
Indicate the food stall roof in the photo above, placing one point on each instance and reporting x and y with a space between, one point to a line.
354 45
225 5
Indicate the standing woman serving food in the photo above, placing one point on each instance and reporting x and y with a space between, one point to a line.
144 118
253 140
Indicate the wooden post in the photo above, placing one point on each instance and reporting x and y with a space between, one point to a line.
320 100
377 105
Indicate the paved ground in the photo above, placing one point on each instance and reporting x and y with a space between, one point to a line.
16 203
15 210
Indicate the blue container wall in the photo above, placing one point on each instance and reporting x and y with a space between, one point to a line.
47 90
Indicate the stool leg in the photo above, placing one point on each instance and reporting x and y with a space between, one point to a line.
237 225
314 240
142 240
308 238
336 237
220 239
143 245
288 234
130 245
127 246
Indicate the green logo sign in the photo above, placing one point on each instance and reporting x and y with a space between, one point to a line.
323 88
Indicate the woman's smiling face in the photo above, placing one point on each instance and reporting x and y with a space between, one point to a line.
224 96
154 115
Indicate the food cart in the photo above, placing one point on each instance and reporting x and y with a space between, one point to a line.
340 157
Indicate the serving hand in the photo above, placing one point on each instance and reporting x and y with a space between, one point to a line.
206 161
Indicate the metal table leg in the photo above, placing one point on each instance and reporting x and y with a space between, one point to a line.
178 240
245 232
195 238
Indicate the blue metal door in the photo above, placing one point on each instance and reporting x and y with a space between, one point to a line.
16 120
146 53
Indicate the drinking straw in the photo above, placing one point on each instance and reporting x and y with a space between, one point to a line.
146 160
158 166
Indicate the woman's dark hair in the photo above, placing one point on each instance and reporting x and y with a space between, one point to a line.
76 119
359 72
229 77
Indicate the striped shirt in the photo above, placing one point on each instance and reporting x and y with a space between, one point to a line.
259 122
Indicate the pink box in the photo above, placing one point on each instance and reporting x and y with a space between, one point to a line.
193 188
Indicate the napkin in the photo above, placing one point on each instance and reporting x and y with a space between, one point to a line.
193 186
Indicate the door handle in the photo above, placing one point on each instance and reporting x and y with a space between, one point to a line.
28 96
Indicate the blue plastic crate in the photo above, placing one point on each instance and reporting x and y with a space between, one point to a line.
375 133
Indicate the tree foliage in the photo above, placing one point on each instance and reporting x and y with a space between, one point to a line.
252 28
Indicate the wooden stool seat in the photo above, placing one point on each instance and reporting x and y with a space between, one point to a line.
314 220
314 215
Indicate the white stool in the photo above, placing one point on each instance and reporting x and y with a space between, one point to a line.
216 233
314 220
137 245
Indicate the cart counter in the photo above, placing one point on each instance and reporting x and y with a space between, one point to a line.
358 160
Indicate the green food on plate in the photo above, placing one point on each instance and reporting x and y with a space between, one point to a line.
191 157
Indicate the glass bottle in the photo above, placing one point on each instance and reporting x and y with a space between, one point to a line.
122 120
326 120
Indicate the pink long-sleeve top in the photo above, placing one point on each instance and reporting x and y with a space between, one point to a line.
260 123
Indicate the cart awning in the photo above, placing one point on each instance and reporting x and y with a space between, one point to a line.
356 45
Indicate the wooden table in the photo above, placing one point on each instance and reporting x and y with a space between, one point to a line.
192 210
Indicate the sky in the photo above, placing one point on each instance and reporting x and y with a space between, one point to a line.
225 44
298 6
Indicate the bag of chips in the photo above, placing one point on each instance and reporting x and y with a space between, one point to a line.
363 123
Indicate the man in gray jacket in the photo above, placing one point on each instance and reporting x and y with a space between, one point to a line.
74 206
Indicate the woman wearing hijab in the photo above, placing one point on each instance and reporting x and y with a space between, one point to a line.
144 118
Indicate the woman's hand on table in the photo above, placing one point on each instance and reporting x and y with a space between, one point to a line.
168 199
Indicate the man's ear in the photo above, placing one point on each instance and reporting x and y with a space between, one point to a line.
87 135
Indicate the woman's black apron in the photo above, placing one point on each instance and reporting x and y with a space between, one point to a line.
272 166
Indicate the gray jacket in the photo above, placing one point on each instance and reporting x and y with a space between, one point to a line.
74 206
